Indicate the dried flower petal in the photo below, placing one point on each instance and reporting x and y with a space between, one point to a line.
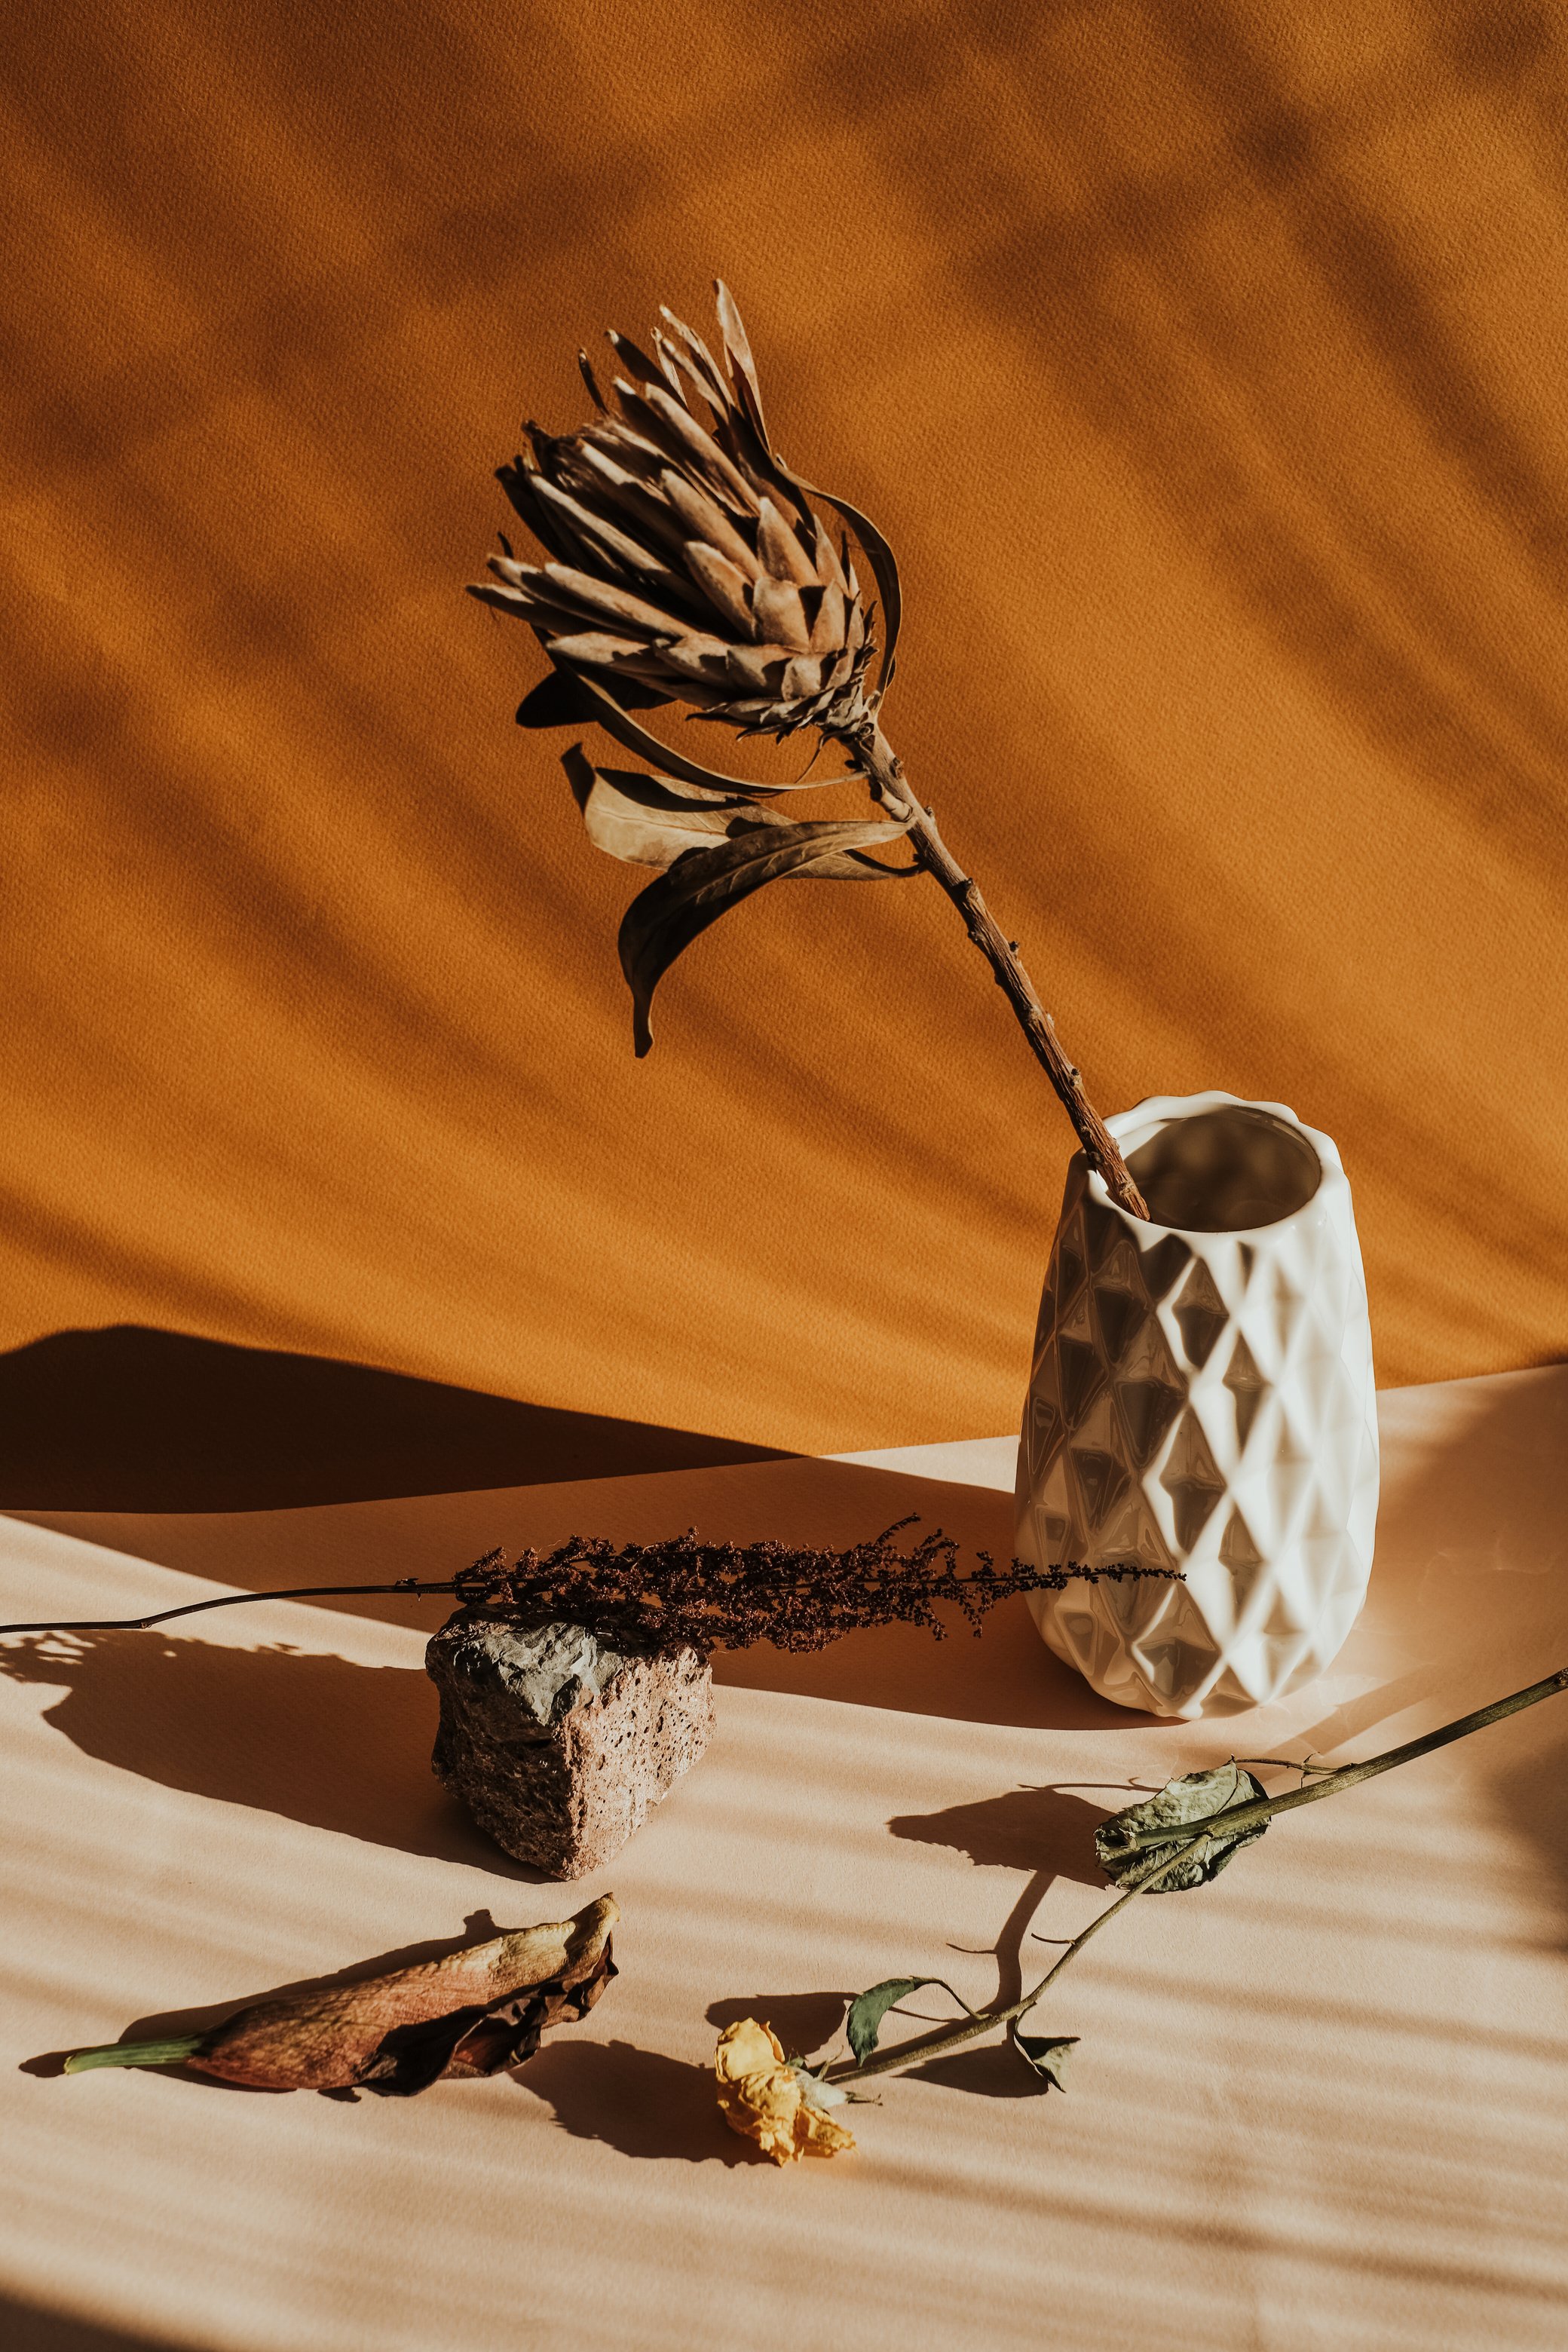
474 2012
766 2099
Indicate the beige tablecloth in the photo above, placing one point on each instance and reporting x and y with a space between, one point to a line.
1323 2104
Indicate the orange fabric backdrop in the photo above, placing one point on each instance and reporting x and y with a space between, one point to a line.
1205 367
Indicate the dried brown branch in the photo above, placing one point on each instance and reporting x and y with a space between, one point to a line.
884 772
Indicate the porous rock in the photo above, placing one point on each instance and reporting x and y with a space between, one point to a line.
558 1743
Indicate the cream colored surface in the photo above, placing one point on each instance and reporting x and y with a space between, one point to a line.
1323 2104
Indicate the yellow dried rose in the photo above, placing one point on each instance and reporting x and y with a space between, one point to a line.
766 2099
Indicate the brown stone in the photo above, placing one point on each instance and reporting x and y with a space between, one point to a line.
558 1743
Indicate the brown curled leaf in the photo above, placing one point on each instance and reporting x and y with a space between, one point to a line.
474 2012
648 820
697 889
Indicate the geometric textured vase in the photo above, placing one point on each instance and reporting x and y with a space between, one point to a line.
1202 1399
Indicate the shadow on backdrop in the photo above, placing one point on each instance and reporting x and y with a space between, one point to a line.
127 1418
24 2327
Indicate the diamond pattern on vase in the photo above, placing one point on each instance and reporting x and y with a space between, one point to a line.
1322 1375
1204 1401
1247 1386
1098 1468
1287 1302
1056 1527
1193 1480
1130 1538
1043 1424
1081 1369
1149 1391
1201 1313
1242 1557
1291 1474
1121 1302
1070 1263
1160 1266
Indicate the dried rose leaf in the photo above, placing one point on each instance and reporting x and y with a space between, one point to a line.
471 2014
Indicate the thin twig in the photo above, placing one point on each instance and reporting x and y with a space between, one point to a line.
705 1595
224 1600
1175 1845
910 2054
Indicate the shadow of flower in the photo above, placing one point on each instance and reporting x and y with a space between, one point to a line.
637 2101
803 2020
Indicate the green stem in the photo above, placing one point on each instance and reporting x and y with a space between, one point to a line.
1259 1810
137 2054
911 2053
1174 1843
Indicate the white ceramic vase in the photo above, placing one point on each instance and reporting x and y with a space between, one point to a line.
1202 1399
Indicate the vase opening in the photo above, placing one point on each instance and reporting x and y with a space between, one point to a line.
1225 1172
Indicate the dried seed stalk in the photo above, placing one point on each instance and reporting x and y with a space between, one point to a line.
710 1595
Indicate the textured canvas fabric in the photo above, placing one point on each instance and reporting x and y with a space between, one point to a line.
1204 366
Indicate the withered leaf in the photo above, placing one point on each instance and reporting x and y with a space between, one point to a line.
1192 1799
474 2012
1045 2054
650 821
744 367
557 700
884 569
671 912
868 2009
605 710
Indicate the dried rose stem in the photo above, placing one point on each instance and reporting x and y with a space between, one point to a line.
1182 1837
911 2053
1348 1776
884 772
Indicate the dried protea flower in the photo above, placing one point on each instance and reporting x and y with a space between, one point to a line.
683 555
686 562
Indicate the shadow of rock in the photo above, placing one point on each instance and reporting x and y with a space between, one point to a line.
317 1738
127 1418
635 2100
804 2022
1036 1830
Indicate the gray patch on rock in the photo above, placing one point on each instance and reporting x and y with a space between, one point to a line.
559 1744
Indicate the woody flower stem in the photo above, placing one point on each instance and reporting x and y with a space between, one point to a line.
1141 1878
937 2045
884 772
